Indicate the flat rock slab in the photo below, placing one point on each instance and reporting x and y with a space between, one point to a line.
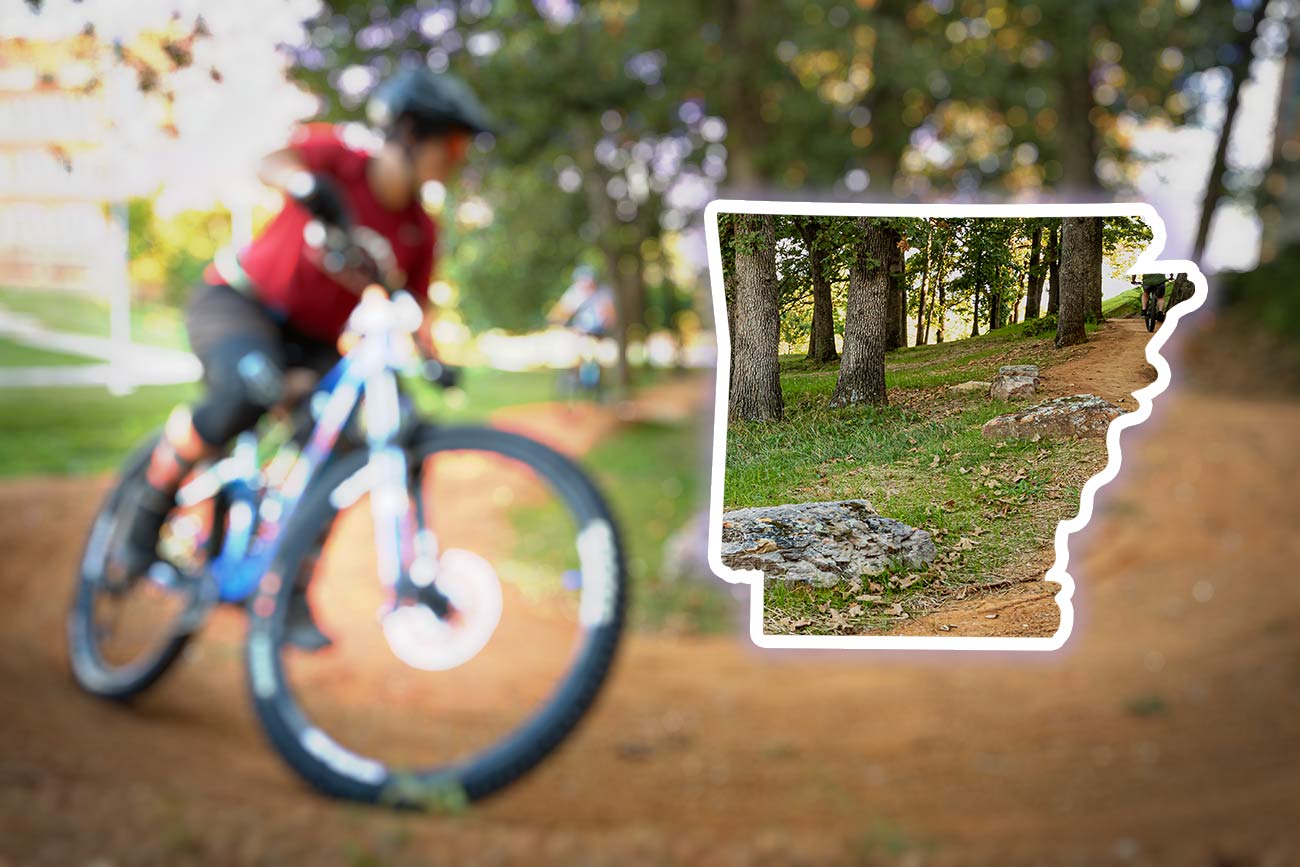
972 385
822 543
1029 370
1081 415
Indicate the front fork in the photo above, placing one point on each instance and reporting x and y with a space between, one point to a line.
406 549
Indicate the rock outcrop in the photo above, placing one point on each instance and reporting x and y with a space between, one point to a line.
1082 415
822 543
1014 381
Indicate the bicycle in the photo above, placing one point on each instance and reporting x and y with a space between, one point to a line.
1152 311
256 523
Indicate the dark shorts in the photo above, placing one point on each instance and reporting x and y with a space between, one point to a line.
245 350
1157 290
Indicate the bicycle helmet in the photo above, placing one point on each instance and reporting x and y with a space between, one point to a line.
432 102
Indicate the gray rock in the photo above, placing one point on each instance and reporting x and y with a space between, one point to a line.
1011 387
972 385
1014 381
823 543
1082 415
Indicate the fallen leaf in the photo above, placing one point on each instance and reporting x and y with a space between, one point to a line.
855 610
764 546
990 617
896 609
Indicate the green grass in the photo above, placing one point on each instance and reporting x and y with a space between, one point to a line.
654 478
77 430
15 354
921 460
1126 303
153 324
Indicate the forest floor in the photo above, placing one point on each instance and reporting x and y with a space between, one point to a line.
1166 732
991 507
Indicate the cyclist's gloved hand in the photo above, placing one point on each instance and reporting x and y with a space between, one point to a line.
319 195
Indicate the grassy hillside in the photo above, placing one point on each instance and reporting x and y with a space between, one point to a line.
991 506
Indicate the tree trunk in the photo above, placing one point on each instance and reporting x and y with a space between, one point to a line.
920 299
862 370
821 338
1054 271
1238 72
943 313
1077 140
1094 286
1281 188
755 372
895 336
1180 291
1078 264
997 307
1034 290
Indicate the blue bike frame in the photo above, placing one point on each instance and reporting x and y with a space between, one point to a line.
260 503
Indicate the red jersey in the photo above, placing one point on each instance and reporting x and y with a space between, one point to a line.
289 281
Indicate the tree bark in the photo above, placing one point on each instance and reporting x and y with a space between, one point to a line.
755 371
920 299
1054 271
895 335
1078 263
1034 290
1094 285
1077 140
1180 291
1280 199
862 370
940 308
821 338
1238 72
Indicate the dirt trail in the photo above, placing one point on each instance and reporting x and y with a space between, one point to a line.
1112 365
1167 731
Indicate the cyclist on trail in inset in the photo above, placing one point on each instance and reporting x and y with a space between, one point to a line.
279 305
587 309
1153 284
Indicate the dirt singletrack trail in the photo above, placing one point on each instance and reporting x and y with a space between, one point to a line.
1112 365
1166 732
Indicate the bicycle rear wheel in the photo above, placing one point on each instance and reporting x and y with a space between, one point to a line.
411 711
125 632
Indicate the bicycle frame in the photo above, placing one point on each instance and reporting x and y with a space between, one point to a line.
262 502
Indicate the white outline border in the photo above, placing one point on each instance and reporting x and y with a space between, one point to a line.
1148 262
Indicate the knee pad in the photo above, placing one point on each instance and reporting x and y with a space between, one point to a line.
241 387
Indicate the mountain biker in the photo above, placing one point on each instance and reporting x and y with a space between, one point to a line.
587 309
1153 283
279 304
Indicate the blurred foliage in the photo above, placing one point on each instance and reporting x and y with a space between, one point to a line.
621 118
168 254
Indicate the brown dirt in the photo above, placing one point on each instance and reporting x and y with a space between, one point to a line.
1166 732
1112 365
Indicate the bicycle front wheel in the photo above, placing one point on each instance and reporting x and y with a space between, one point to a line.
413 710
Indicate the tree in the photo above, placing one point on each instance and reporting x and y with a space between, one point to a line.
755 371
862 369
1238 72
1034 286
1080 266
1094 311
896 303
821 337
1054 268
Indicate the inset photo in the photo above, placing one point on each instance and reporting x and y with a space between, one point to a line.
914 403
